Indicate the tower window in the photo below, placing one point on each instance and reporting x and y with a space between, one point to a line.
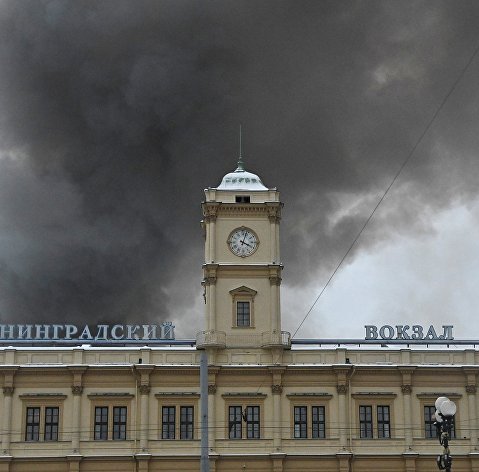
243 314
242 199
243 307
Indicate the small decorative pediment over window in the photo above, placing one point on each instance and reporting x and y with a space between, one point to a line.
243 291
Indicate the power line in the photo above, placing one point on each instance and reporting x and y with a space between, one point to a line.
396 176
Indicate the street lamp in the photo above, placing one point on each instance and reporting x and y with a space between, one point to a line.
445 411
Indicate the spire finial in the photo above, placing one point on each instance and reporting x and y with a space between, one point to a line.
240 159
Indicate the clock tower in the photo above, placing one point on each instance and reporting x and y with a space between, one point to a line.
242 268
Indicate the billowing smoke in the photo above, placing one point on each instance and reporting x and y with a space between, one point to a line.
116 114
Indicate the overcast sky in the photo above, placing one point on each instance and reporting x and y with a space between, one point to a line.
115 115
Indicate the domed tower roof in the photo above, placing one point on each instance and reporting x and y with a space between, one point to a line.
241 179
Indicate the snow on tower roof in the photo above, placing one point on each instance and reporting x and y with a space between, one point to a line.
241 179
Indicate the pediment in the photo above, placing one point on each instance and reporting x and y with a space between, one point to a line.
243 290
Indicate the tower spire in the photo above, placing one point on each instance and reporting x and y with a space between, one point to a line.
240 159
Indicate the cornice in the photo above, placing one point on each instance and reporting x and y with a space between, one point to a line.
434 395
381 395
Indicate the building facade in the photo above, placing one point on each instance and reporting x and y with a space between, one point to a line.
273 406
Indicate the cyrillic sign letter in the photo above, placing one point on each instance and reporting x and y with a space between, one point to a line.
7 331
101 333
86 334
70 330
149 332
42 330
402 332
371 332
113 332
418 333
167 330
25 331
56 329
431 333
382 332
131 330
447 332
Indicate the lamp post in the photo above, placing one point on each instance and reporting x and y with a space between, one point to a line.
445 411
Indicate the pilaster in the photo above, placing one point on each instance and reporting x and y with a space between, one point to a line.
144 371
8 390
342 389
406 390
77 372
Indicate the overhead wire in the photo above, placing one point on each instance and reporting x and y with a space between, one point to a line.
394 179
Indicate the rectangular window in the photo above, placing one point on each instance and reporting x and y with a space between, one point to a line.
430 431
365 421
429 428
252 422
168 422
384 425
243 314
234 422
186 422
300 422
319 422
242 199
32 432
101 423
51 423
119 422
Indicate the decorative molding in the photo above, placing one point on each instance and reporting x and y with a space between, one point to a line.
373 395
471 389
305 395
210 211
77 389
407 370
144 389
275 280
244 395
434 395
211 389
108 395
209 281
8 391
42 396
406 389
342 389
277 389
177 394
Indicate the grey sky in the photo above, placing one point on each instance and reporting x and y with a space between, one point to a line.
116 114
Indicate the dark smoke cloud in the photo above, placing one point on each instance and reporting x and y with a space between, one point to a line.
116 114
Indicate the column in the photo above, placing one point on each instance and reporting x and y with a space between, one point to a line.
275 282
77 391
212 248
8 389
277 418
210 210
471 390
342 389
7 418
144 372
406 390
272 237
144 418
209 283
342 408
212 302
212 427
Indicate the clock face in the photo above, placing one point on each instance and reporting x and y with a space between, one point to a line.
243 242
